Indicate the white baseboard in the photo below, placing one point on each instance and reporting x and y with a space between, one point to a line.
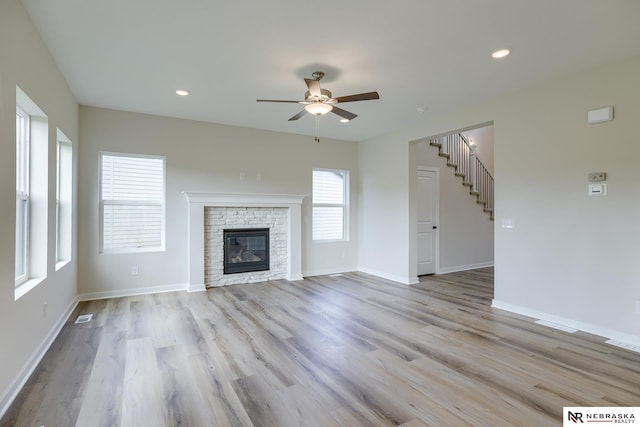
582 326
90 296
405 280
327 271
18 383
457 268
196 288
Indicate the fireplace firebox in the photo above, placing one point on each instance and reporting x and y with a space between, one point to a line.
245 250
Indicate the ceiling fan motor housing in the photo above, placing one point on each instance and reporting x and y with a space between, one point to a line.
325 96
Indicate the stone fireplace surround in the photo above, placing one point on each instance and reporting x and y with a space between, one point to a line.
197 201
217 220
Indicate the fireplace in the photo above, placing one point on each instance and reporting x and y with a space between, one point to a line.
245 250
211 213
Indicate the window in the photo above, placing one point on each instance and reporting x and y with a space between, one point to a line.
64 207
32 188
131 203
329 204
22 197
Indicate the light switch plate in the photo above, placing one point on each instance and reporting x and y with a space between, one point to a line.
508 223
597 190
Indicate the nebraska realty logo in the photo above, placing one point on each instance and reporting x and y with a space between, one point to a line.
604 416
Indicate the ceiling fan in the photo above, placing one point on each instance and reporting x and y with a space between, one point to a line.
319 101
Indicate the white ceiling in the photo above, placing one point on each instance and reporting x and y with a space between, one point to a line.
133 54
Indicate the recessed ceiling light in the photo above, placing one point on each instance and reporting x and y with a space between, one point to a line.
182 92
344 120
500 53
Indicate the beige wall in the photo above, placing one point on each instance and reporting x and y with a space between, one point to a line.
570 257
25 327
384 196
202 157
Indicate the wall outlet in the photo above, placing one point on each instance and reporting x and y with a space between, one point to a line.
134 270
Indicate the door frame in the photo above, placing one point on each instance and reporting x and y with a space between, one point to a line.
436 254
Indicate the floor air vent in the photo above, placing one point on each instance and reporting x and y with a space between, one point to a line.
84 318
556 326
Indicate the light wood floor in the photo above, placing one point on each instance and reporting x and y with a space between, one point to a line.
349 351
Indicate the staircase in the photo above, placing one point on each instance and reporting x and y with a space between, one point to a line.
463 157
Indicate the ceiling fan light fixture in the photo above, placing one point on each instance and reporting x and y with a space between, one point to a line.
318 108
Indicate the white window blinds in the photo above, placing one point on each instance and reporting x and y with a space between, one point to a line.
22 196
329 204
132 202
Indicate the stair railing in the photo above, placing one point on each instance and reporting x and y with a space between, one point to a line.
463 156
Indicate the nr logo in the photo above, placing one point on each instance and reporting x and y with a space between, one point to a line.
574 417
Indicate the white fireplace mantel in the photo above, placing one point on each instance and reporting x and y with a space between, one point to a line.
199 200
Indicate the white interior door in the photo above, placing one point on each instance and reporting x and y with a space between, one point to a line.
427 216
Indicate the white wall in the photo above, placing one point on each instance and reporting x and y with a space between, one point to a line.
465 231
202 157
25 328
570 257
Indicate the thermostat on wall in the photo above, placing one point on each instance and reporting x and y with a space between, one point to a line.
597 176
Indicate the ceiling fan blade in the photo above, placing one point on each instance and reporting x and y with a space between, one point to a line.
297 116
343 113
359 97
279 100
314 87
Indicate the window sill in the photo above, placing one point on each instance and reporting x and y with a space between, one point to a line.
330 240
130 251
25 287
62 263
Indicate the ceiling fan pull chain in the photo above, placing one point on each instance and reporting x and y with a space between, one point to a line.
317 138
